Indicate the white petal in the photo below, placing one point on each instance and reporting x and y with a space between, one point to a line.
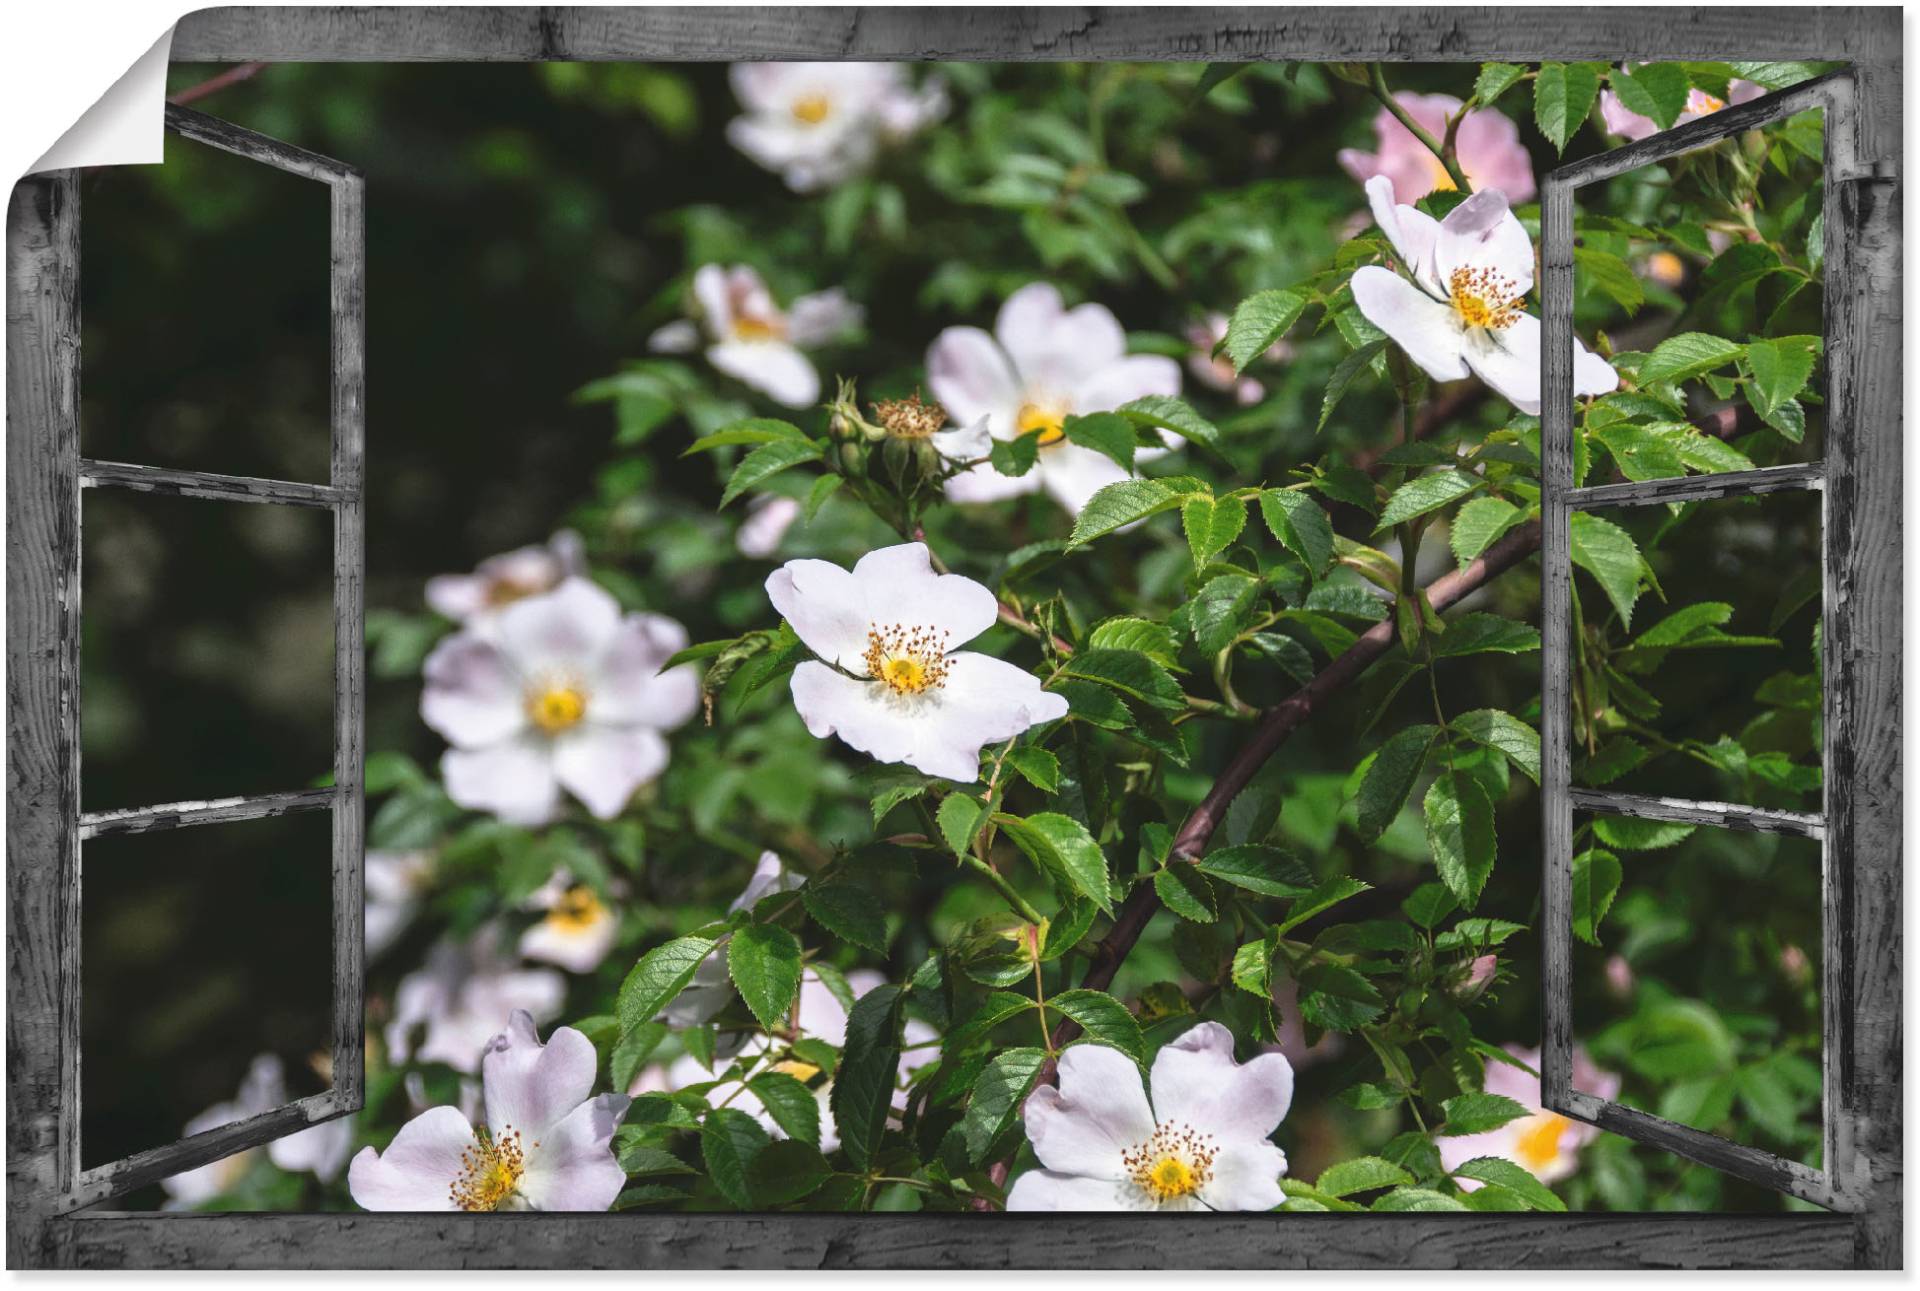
1071 475
992 700
603 765
456 596
1412 232
1055 349
418 1169
1046 1190
320 1151
970 375
1482 233
1246 1176
474 696
984 484
825 608
964 443
822 1016
703 997
770 875
514 780
1427 330
681 336
1133 377
529 1086
573 1167
765 87
1097 1114
774 368
768 518
831 703
1196 1082
1508 359
716 303
576 949
628 686
822 317
568 628
900 586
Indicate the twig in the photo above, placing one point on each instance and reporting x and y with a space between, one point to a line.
214 84
1377 82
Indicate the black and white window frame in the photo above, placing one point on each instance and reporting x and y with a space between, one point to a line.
54 1215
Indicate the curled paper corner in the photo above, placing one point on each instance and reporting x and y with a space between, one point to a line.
125 126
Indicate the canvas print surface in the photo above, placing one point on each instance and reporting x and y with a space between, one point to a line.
958 637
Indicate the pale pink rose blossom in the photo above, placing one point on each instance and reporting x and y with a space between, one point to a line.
462 995
769 516
576 930
752 339
1487 148
319 1150
499 581
1545 1143
819 124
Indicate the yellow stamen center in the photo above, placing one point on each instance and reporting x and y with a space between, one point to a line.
1047 422
797 1069
1538 1144
490 1170
812 109
555 708
907 660
759 329
1177 1161
577 910
505 591
1485 298
1701 103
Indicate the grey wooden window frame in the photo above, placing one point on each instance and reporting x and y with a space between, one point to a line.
1861 816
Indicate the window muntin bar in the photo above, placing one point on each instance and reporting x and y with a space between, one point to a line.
1722 815
1698 488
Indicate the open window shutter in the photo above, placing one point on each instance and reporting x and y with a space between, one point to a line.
1859 837
46 472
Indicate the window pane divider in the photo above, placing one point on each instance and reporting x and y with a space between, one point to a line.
1752 1164
1699 488
206 484
212 811
1686 811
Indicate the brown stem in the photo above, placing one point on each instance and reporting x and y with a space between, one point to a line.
214 84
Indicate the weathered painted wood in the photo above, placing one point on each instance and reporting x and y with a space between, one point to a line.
1699 488
1752 1164
242 142
205 484
43 724
1079 1242
1689 811
212 811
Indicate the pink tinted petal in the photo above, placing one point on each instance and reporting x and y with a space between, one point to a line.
320 1151
1055 349
1412 233
825 608
474 696
1492 156
630 688
774 368
1049 1190
529 1086
418 1169
1427 330
1124 380
822 317
456 596
899 586
1482 233
1621 120
1196 1082
515 780
603 765
567 629
970 376
1097 1114
1246 1176
573 1168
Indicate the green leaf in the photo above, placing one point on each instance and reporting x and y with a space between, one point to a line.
959 818
1460 834
1016 456
644 1159
1654 90
1259 321
1612 276
767 461
1105 1019
786 1171
1131 673
1121 504
1416 1200
1298 524
1494 80
1252 968
661 974
1164 412
848 910
1389 779
1630 834
998 1093
1220 610
1641 453
1154 640
790 1103
1107 433
1478 1113
754 430
1780 369
729 1141
1426 493
1478 524
1336 998
1211 524
1513 1177
1329 894
1429 904
891 785
1064 851
869 1063
1607 551
1596 878
1183 889
1775 75
1362 1174
1040 768
823 488
1690 354
1343 378
1270 871
764 962
1563 94
1479 633
1506 733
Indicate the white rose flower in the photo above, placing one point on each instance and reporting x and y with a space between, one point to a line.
547 1143
461 995
499 581
1462 313
892 684
752 339
1544 1143
319 1150
818 124
769 516
395 882
1043 363
561 691
1200 1144
578 929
